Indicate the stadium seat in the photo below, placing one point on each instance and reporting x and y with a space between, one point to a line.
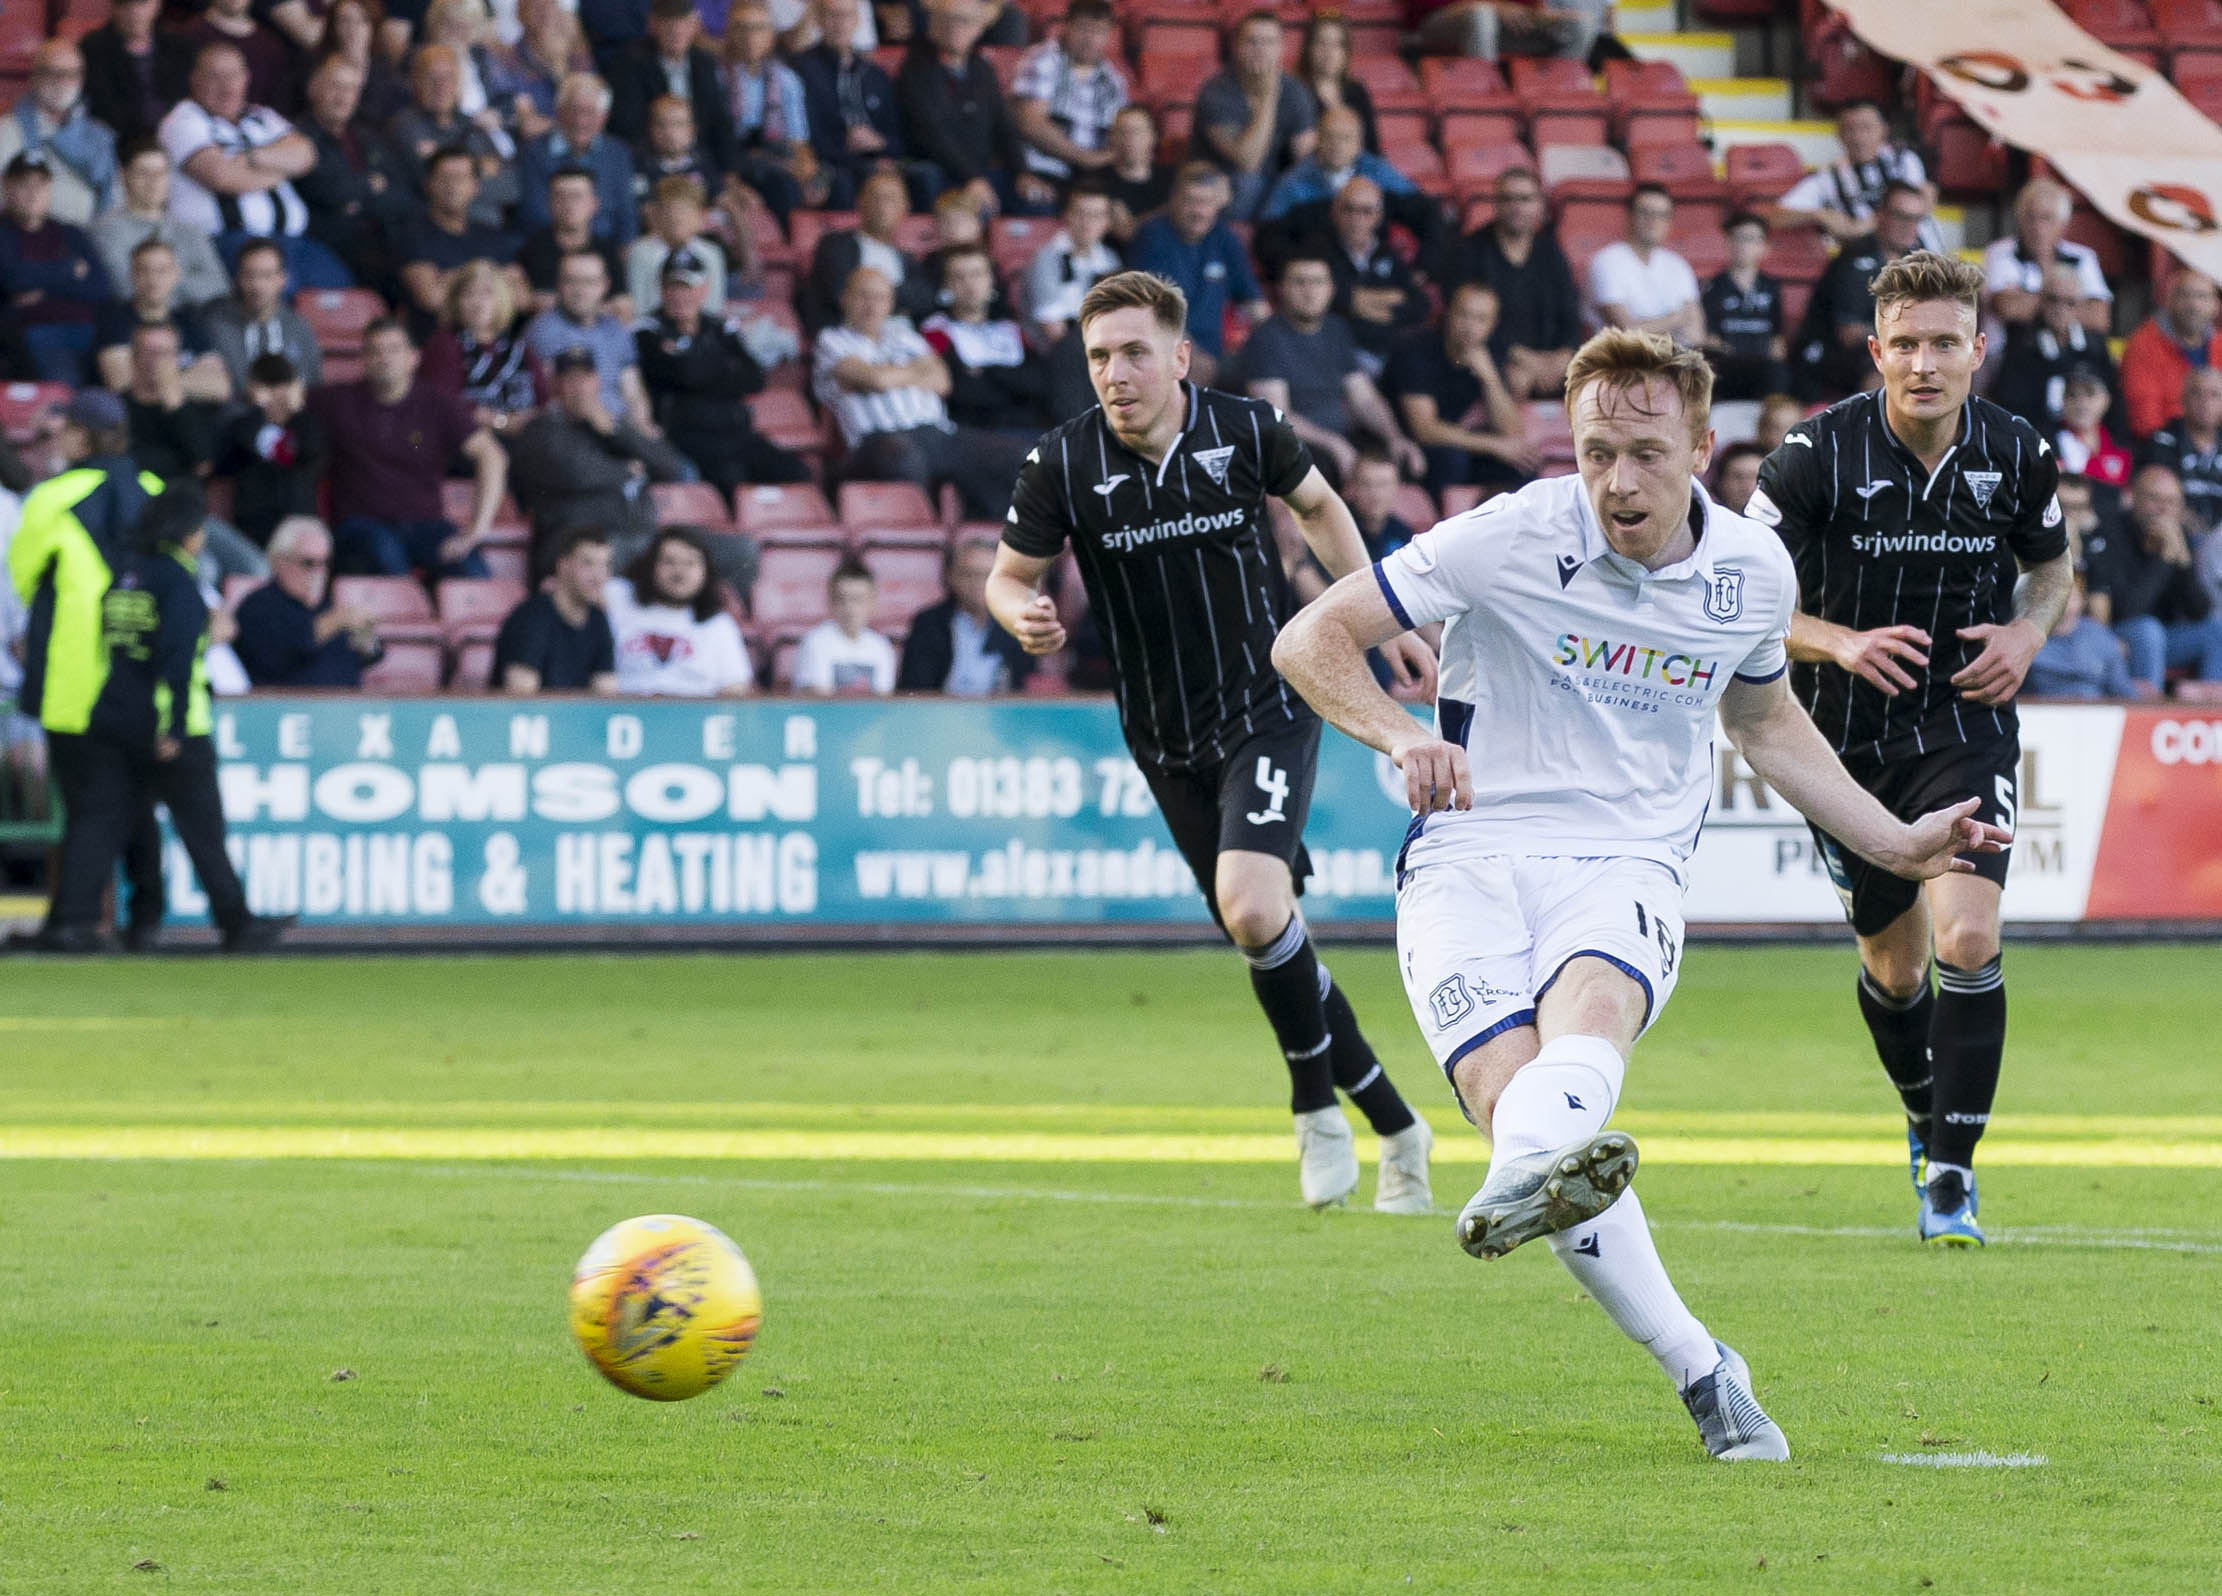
1698 238
1422 163
916 234
1969 161
1737 11
1013 241
1584 172
474 665
786 513
337 316
690 504
1762 173
22 31
1797 255
805 228
2120 255
411 667
1174 79
466 603
890 514
507 562
1461 129
1398 128
459 494
1004 58
1389 81
1464 84
1475 168
1848 69
1641 91
1560 102
2118 24
790 586
1187 34
909 580
397 603
23 403
1683 170
2189 27
784 416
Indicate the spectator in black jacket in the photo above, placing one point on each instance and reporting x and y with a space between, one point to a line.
955 647
274 450
699 375
360 185
955 116
1375 290
1539 308
134 71
2145 584
2192 443
1744 331
850 103
879 208
2043 353
576 464
173 434
994 382
291 634
671 55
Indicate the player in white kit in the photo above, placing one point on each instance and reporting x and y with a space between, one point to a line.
1593 628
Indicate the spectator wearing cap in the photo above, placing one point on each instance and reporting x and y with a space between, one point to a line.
573 203
580 319
50 274
842 656
393 441
1642 283
447 237
1517 255
433 126
141 213
256 320
52 118
699 374
153 298
1064 269
886 386
1338 156
479 355
1254 119
1744 334
1067 93
269 58
274 450
676 217
360 185
2033 377
134 71
1831 341
559 639
768 116
955 646
236 161
2145 584
1189 244
580 138
1140 185
1375 291
581 463
880 208
291 633
848 102
2192 443
2085 447
994 382
2179 337
2014 267
668 60
955 116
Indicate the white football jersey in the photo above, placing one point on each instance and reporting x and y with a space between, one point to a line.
1582 686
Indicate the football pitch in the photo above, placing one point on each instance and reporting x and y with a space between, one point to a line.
286 1245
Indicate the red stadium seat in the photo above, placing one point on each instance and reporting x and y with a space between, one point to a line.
458 497
1969 161
1797 255
338 316
891 514
474 667
1464 84
1476 167
391 600
690 504
1579 128
1422 163
1014 241
1683 170
2118 24
467 603
1763 173
507 562
790 586
1163 39
1389 81
909 580
1584 172
22 31
786 513
1401 127
1004 58
23 403
1641 91
1480 127
915 234
411 668
784 416
1174 79
2119 254
1663 127
1698 238
2189 27
1561 103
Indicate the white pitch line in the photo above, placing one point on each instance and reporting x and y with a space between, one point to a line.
1965 1460
2037 1236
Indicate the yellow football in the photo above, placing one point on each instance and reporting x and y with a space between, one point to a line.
664 1306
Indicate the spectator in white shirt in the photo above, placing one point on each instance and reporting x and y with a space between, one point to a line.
1641 283
843 656
2014 266
1067 91
1843 200
1059 277
885 387
674 637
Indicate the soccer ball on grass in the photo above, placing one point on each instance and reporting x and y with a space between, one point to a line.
664 1306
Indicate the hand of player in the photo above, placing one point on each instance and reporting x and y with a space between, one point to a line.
1038 630
1994 676
1411 662
1436 775
1873 656
1933 844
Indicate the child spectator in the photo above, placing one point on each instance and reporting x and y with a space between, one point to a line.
1743 317
843 655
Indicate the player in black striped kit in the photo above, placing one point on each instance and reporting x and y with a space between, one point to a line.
1911 512
1161 491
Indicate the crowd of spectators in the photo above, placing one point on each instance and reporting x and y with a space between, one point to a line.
600 234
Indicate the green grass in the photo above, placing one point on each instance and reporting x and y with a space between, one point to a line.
1038 1377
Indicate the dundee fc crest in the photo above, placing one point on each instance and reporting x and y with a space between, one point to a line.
1724 600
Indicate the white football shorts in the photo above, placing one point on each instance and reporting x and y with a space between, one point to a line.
1481 939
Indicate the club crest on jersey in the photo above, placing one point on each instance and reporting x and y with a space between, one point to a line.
1983 484
1724 600
1214 462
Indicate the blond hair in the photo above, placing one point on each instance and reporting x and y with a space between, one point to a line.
469 275
1923 276
1624 360
1137 291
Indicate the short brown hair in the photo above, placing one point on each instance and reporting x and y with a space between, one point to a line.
1624 359
1137 291
1924 275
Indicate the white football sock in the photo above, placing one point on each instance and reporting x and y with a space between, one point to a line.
1565 1093
1614 1259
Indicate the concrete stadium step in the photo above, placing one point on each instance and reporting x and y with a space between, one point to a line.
1699 55
1815 141
1743 99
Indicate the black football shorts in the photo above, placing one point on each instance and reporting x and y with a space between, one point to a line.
1253 801
1909 789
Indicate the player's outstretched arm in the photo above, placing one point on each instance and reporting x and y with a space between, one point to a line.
1781 743
1322 653
1019 605
1332 535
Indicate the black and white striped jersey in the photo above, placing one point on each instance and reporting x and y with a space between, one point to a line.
1181 567
1879 541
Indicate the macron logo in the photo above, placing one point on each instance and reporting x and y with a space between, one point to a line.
1568 565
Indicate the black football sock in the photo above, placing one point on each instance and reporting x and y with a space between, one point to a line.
1901 1027
1357 1071
1285 976
1967 1037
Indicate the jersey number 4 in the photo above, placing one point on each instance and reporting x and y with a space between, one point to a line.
1653 926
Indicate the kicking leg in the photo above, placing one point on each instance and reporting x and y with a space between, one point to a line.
1898 1005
